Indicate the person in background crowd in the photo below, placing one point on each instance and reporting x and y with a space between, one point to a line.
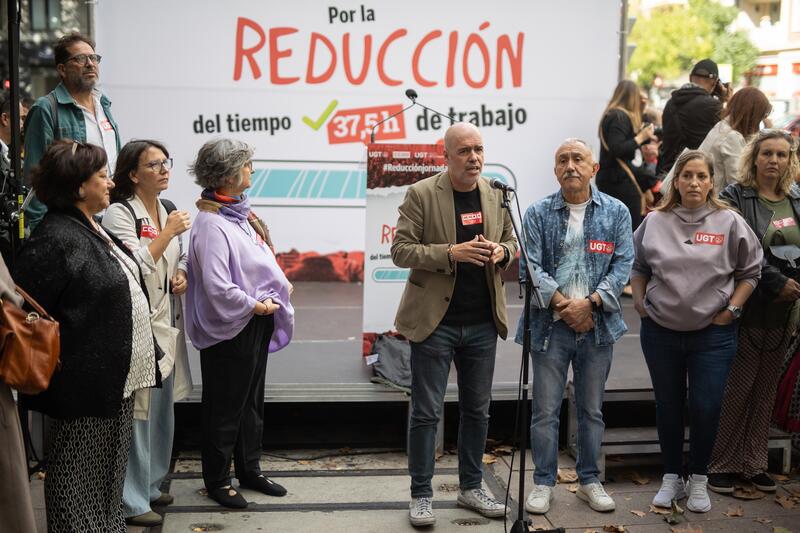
5 164
697 262
769 200
239 312
454 235
82 112
141 221
691 112
88 280
622 174
15 496
579 241
740 120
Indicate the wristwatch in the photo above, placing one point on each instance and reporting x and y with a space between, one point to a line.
735 310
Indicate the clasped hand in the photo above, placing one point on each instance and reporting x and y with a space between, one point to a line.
478 251
576 313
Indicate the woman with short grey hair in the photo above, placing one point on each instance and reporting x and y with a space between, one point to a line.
238 311
218 160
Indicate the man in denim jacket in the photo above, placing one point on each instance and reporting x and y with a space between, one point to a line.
579 241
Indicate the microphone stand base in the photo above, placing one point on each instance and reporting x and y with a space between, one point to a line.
526 526
521 526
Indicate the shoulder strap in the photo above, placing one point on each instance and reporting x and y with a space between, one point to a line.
137 221
622 164
54 112
168 205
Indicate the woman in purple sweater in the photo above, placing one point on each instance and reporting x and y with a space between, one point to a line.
238 311
697 262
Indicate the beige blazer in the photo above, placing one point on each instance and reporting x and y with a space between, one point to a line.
425 227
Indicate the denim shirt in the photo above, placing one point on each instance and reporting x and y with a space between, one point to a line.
544 227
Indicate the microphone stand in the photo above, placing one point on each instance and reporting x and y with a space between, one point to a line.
412 95
532 291
12 198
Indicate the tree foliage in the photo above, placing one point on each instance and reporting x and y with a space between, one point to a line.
673 38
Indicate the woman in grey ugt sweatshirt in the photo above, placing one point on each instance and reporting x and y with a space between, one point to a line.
697 262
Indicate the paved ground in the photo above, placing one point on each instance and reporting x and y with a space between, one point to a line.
366 491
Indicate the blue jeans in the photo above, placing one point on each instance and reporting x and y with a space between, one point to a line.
590 366
150 452
706 356
473 350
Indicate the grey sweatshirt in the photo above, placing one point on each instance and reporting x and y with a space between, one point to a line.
693 259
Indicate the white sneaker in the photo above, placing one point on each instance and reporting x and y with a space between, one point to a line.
672 488
698 501
539 499
420 512
596 496
478 500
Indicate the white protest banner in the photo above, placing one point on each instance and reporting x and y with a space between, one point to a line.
303 82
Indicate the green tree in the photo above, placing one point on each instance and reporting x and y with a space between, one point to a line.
673 38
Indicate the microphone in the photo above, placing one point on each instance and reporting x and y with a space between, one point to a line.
497 184
412 95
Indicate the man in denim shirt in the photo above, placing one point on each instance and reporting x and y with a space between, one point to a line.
579 241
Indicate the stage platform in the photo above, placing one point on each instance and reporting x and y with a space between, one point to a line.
324 364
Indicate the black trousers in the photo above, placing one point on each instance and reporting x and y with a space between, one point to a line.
233 373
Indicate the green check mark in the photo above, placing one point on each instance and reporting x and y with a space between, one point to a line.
315 125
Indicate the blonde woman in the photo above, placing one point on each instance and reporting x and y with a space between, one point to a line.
769 201
622 133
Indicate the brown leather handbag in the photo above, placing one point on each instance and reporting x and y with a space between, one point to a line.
30 345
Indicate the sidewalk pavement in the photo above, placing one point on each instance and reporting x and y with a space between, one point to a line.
366 491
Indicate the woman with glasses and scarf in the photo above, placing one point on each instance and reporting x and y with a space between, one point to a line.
140 219
769 200
89 281
238 312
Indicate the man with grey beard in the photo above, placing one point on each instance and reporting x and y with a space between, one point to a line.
75 109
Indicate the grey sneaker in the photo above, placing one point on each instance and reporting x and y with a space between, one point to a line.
672 488
478 500
597 498
539 499
420 512
698 501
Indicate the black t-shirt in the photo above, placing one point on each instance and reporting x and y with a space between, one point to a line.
471 302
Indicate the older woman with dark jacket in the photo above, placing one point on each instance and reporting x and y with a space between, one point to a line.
238 311
87 280
769 201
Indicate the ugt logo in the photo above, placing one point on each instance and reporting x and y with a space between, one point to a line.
709 238
601 247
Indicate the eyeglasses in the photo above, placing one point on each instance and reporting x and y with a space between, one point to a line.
249 165
157 165
83 59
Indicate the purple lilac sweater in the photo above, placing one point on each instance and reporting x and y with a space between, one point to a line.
228 273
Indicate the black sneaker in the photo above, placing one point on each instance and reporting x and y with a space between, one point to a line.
763 482
721 483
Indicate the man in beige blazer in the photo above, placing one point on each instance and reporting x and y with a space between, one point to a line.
454 235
